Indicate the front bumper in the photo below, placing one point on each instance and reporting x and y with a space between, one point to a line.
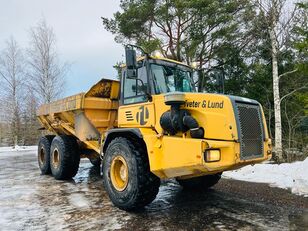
184 157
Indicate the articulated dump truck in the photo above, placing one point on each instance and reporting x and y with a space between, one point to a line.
149 126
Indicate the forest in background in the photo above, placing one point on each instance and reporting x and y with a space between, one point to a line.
252 48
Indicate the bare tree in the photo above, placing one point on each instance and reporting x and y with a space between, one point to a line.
45 71
12 78
279 16
30 124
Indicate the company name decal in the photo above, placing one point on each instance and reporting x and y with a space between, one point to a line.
204 104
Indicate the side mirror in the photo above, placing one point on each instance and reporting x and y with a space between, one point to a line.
131 62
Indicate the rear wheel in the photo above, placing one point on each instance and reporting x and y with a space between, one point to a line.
201 182
43 154
127 177
64 157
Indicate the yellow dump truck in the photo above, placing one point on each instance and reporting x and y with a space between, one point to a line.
151 125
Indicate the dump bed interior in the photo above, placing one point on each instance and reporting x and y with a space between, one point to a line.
85 115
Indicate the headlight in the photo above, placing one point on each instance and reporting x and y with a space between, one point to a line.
212 155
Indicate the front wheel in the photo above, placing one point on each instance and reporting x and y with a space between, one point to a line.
201 182
127 177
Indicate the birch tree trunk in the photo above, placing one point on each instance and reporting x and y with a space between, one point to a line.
278 130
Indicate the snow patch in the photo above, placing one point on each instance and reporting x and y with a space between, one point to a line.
292 176
17 150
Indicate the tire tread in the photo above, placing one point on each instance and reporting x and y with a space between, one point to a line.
70 163
148 183
46 142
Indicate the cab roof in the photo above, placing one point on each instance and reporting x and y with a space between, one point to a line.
158 58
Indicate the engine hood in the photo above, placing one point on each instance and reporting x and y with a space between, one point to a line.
216 113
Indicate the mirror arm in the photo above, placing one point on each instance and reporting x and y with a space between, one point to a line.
138 47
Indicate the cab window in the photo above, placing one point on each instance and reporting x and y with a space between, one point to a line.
170 79
135 90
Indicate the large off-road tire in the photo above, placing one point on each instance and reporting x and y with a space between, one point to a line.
201 182
64 157
127 177
43 154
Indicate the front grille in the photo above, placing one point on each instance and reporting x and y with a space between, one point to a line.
250 130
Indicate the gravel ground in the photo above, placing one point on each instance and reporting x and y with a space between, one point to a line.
30 201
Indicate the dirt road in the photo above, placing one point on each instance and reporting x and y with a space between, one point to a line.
30 201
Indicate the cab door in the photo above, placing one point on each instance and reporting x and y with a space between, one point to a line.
136 108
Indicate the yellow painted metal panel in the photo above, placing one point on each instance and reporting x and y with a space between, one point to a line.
184 157
137 115
100 103
67 104
212 111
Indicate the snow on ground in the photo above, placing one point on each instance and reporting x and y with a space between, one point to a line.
17 150
292 176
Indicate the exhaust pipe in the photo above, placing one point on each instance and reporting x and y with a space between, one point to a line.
177 119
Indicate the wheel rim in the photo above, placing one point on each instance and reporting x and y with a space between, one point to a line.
41 156
55 158
119 173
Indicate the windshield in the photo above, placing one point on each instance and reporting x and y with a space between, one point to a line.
171 78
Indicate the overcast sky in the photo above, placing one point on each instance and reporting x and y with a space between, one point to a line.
81 38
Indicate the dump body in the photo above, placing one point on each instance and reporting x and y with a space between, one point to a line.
85 115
